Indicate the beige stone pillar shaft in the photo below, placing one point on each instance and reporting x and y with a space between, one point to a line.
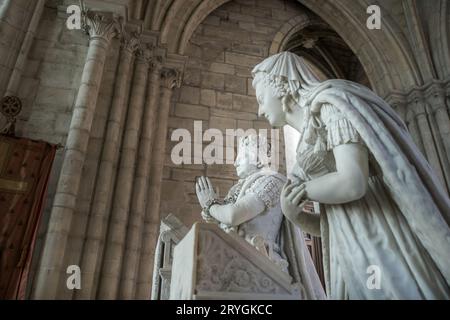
441 128
80 218
140 189
101 32
114 248
98 219
414 130
427 138
14 80
170 79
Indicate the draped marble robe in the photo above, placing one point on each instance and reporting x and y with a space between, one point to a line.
402 223
401 226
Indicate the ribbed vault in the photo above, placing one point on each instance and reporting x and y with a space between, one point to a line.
385 55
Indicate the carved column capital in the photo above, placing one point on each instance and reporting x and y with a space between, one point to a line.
435 95
100 25
417 103
130 41
398 103
171 78
157 65
144 54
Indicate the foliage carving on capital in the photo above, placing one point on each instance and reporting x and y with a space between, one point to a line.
101 25
436 97
171 78
130 41
144 53
417 103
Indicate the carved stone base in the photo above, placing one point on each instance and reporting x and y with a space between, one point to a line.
211 264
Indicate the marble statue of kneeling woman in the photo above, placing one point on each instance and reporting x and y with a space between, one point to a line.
382 206
252 210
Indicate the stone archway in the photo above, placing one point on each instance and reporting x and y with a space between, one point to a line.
308 36
385 55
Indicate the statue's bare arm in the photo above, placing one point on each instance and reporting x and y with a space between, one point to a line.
348 183
244 209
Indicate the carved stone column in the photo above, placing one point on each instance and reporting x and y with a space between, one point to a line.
420 108
408 114
440 124
98 220
414 129
170 80
447 94
398 103
140 188
115 244
101 31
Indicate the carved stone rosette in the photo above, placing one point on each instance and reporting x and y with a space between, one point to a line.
10 107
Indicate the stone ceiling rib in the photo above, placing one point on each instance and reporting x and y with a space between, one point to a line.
200 13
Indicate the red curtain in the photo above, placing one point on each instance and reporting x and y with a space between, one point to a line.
24 171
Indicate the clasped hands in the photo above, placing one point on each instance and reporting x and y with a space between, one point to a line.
205 194
293 199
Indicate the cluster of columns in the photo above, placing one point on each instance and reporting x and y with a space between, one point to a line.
115 251
426 112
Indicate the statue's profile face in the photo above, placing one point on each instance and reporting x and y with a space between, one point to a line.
270 105
246 162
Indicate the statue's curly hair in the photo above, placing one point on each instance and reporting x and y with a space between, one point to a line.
278 83
281 88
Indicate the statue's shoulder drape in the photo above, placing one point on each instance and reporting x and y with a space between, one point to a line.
410 180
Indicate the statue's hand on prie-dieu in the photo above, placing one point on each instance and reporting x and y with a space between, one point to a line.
293 199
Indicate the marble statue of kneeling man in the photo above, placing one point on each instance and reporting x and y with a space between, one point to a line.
252 210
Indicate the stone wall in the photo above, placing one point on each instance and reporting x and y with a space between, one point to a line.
48 89
14 16
217 90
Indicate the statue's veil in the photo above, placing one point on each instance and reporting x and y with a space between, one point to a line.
300 78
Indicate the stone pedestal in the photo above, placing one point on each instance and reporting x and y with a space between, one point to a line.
211 264
171 232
